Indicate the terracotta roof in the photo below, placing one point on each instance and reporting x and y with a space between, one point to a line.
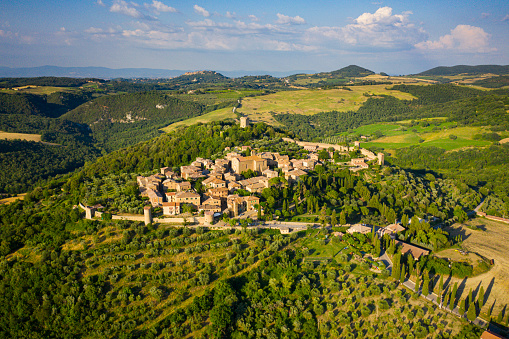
412 249
490 335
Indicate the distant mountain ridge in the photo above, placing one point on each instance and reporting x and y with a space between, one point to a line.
110 73
466 69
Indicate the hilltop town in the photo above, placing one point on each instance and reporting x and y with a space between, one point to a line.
242 170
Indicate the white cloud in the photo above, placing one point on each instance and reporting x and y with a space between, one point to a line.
207 23
380 29
158 7
202 11
231 15
288 20
100 3
463 38
506 18
253 18
122 7
5 34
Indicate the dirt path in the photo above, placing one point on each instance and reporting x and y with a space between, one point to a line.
491 241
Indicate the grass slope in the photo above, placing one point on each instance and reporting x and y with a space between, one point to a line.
309 102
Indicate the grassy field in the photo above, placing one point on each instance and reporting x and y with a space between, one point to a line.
22 136
489 241
217 115
36 90
310 102
318 248
398 138
12 199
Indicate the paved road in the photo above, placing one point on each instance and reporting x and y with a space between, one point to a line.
430 297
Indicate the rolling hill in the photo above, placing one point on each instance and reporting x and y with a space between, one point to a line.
466 69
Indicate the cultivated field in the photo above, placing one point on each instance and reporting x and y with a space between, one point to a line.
489 241
22 136
36 90
313 101
395 137
12 199
217 115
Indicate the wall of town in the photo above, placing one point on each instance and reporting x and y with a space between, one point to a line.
492 217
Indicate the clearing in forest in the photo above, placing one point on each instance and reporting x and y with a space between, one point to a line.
313 101
22 136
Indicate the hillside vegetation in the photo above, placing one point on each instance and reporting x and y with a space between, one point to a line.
464 69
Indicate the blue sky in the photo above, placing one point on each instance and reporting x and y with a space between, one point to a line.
397 37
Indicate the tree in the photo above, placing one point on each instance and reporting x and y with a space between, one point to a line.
425 285
453 295
417 283
396 266
441 285
333 218
403 274
462 307
480 298
221 317
471 314
404 220
342 218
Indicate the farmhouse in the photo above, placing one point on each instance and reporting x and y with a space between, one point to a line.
358 228
415 251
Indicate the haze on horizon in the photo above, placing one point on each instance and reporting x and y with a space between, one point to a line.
393 37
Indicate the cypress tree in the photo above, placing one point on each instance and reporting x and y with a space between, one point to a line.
446 300
425 285
417 283
333 218
403 274
480 298
500 317
471 314
470 298
453 295
441 286
396 266
342 218
462 307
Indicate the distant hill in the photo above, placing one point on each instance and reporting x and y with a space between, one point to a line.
352 71
88 72
52 105
465 69
199 77
127 73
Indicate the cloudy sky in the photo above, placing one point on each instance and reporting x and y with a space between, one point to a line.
397 37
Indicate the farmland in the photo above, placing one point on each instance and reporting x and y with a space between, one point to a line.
21 136
488 239
444 135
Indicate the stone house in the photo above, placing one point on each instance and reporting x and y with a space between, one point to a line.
188 198
254 163
171 208
156 198
221 192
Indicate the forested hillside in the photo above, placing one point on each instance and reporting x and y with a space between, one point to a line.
125 119
66 276
462 105
52 105
464 69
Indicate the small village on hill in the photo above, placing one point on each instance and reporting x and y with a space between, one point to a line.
232 184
